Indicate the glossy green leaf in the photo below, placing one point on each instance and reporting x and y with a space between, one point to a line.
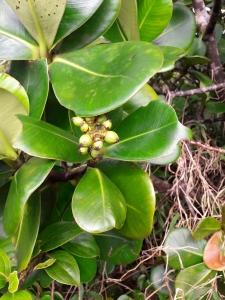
5 268
204 79
116 116
181 30
7 246
45 140
196 60
16 42
83 245
18 295
45 264
42 21
33 172
171 55
45 279
25 238
34 79
148 134
206 227
193 282
58 234
128 19
221 49
136 62
116 248
182 250
75 14
92 28
215 107
87 267
101 210
138 193
198 47
167 159
142 98
153 17
13 282
159 280
115 33
13 100
65 269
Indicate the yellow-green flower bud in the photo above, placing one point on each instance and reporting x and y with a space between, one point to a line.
97 145
107 124
84 127
111 137
77 121
101 119
85 140
90 120
96 153
83 150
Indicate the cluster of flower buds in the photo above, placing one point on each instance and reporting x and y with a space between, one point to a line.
96 132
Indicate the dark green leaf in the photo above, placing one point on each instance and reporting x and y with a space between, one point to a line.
193 281
116 116
144 135
42 21
45 140
75 14
58 234
171 55
153 17
115 33
16 43
34 79
182 250
116 248
25 238
181 30
136 62
45 279
215 107
101 210
83 245
33 173
206 227
65 269
138 193
93 27
88 268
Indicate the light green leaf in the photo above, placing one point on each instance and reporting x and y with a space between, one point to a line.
101 210
41 139
136 62
148 134
33 172
58 234
142 98
153 17
138 193
75 14
25 238
83 245
171 55
16 42
206 227
41 20
181 30
5 268
194 281
158 278
13 100
34 79
167 159
13 282
128 19
182 250
18 295
65 269
102 19
116 248
45 264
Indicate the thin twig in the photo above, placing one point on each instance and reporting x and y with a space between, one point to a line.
207 147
